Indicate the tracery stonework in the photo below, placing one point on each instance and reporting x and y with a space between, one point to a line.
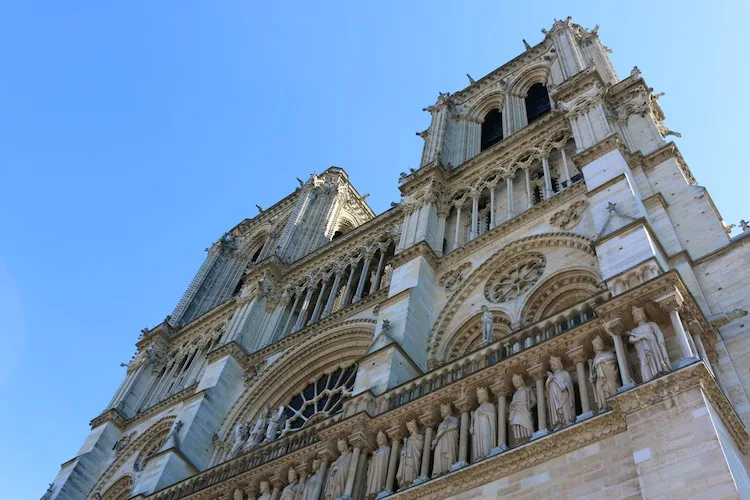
456 345
515 278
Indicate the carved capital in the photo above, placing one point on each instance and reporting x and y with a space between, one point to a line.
613 326
577 354
429 418
537 371
361 439
395 433
500 388
671 301
327 451
464 402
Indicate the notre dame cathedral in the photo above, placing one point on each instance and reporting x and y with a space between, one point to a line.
555 308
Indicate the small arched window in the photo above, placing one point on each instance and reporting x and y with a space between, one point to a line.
492 129
537 102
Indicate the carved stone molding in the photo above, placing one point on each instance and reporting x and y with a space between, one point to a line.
451 279
569 217
515 278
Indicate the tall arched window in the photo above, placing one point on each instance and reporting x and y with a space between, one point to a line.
492 128
537 102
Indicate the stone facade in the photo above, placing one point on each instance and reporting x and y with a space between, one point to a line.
555 308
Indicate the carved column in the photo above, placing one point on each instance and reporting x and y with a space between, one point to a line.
548 193
509 188
374 286
303 312
319 303
327 455
463 404
672 303
492 207
538 373
289 320
429 421
362 278
566 172
474 216
359 442
615 329
578 356
456 242
395 434
501 391
348 288
277 483
333 293
529 199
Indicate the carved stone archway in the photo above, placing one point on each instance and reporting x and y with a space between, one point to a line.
295 369
560 291
468 336
437 338
120 490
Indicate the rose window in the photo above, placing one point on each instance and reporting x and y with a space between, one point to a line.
515 278
320 399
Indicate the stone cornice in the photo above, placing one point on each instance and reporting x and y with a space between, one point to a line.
597 150
421 249
667 151
572 87
719 251
606 185
122 422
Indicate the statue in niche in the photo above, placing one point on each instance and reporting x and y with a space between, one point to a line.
273 425
265 491
308 492
338 472
487 325
445 443
649 345
519 413
602 373
293 489
560 395
411 455
241 433
483 426
377 469
259 429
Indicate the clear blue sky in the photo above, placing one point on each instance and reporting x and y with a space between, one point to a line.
133 134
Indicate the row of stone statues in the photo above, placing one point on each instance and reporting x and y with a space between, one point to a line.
267 428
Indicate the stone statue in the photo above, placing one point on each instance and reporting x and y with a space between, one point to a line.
602 373
265 491
649 345
273 425
237 494
560 395
487 325
519 413
293 490
338 472
411 455
377 470
259 429
308 492
445 443
483 426
241 433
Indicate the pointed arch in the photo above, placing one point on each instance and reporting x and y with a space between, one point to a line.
120 490
537 73
468 335
439 333
560 291
275 385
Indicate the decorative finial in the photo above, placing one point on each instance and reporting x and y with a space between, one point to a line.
471 80
744 225
526 44
260 209
301 182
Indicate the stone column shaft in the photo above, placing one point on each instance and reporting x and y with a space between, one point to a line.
350 476
547 179
362 279
319 303
390 481
332 295
463 444
348 286
456 242
474 218
566 171
379 272
492 207
303 312
681 335
582 389
509 188
289 320
502 437
317 494
429 435
622 361
529 199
